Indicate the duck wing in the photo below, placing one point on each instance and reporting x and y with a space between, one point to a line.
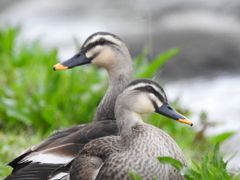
61 147
90 160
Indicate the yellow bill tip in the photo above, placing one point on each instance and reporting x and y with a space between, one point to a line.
59 67
186 121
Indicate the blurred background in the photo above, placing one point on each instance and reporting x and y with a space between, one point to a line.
204 77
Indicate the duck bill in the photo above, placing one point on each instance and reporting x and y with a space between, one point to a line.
77 60
168 111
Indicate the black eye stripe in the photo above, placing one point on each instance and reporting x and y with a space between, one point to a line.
99 33
149 89
97 43
101 41
159 96
154 104
90 46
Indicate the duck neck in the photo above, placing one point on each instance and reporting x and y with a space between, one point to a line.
127 121
119 78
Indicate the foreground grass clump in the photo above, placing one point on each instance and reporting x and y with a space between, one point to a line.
212 167
12 144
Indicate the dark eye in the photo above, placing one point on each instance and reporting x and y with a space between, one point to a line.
149 89
101 41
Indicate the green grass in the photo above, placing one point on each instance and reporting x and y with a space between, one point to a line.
12 144
35 100
212 167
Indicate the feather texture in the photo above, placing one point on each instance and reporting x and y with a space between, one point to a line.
65 144
138 144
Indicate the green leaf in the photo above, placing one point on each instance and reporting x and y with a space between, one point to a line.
237 177
205 171
218 173
191 174
196 165
134 175
19 115
221 137
168 160
141 60
155 64
217 159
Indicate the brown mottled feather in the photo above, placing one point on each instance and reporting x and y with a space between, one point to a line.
71 140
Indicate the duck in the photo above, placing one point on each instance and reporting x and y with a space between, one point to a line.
103 49
138 144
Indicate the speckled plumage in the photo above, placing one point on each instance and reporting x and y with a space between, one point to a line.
143 146
136 148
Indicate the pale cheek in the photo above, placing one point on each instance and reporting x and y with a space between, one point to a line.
104 59
143 105
97 61
90 54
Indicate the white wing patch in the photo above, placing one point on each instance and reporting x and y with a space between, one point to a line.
47 158
59 176
49 155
